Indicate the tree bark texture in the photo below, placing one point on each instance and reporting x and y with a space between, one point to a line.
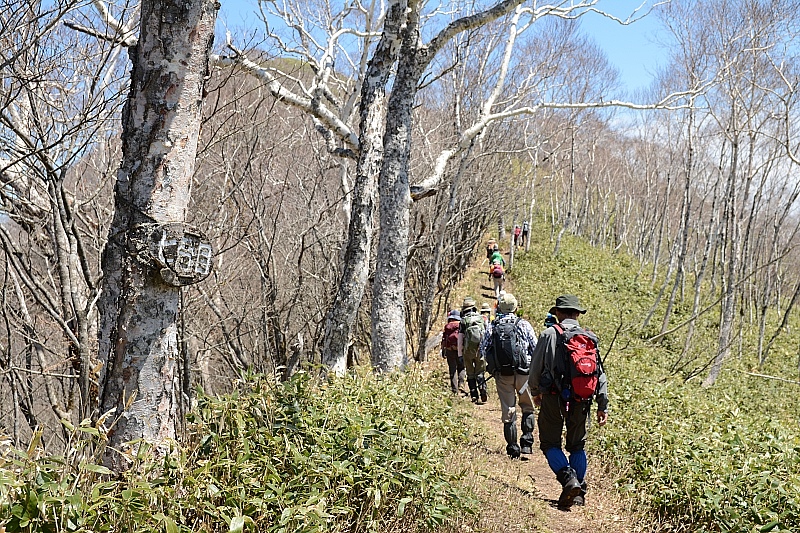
139 311
388 301
341 316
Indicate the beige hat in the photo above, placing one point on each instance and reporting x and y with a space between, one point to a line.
485 308
468 302
507 303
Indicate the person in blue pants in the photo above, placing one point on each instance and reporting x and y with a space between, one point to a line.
547 370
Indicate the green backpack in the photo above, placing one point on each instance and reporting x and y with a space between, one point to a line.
474 327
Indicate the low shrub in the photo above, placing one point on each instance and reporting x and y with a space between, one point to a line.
359 453
725 458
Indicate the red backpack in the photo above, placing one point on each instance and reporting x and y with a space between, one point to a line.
497 271
582 365
450 335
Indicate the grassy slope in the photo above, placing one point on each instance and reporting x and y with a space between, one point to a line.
718 459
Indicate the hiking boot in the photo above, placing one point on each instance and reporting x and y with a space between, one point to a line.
571 487
526 450
484 397
513 450
473 389
580 499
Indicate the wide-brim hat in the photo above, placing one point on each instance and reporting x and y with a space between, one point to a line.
485 308
567 301
468 302
454 315
506 303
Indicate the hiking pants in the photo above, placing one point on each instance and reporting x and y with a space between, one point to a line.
508 388
552 418
455 366
475 366
498 286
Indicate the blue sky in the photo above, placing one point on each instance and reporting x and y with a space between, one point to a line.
632 49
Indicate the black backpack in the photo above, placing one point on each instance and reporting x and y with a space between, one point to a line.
507 352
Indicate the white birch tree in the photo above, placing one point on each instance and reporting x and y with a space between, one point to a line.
139 304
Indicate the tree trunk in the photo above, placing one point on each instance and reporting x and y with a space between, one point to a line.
341 316
686 213
728 305
139 310
700 274
388 302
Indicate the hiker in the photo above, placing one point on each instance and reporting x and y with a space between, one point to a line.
491 248
526 229
507 347
455 363
470 334
497 257
561 394
486 313
517 233
498 277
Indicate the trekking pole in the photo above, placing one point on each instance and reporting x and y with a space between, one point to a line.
525 388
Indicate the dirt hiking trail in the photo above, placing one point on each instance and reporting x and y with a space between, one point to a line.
520 495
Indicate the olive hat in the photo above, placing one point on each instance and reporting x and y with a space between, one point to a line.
568 301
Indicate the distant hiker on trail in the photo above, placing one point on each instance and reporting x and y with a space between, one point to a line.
507 347
517 233
455 363
565 375
491 248
469 340
486 313
497 257
498 277
526 229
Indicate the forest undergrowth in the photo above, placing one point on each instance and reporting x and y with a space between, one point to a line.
390 453
724 458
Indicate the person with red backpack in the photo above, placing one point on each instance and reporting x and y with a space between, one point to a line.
498 277
566 376
455 363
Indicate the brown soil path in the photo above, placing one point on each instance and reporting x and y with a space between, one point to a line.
520 495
